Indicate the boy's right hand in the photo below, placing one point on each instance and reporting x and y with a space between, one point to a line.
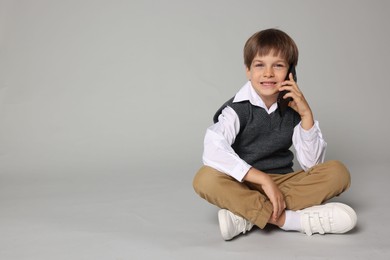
275 196
270 189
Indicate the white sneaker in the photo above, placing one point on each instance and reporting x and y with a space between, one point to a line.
232 225
329 218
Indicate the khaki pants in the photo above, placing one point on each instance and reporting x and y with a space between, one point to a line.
300 189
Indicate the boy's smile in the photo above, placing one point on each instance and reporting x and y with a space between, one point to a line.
268 84
266 75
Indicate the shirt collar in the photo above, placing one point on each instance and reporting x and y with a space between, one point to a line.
247 93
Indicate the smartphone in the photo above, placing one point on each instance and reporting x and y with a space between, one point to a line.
283 103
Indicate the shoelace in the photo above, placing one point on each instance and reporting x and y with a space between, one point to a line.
312 223
246 224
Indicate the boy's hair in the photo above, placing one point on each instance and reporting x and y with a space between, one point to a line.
270 40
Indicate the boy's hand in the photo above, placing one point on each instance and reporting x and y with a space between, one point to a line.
299 103
270 189
276 197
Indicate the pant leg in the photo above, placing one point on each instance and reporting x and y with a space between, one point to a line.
301 190
228 193
319 184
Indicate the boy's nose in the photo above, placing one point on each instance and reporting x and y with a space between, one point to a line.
268 72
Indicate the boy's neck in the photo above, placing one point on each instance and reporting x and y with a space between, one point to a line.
269 101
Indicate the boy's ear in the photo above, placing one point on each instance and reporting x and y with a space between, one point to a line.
248 72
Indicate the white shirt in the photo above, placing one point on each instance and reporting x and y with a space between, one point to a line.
309 145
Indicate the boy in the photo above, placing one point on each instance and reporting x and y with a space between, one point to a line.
247 168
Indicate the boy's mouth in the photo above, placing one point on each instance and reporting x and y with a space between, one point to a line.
268 83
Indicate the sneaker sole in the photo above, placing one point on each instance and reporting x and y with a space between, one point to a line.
223 226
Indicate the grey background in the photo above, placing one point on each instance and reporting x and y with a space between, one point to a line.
104 105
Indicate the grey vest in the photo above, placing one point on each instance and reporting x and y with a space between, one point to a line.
264 140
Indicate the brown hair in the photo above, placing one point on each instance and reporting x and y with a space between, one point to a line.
267 41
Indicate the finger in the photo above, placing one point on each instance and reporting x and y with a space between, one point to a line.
275 214
282 206
291 77
289 88
293 93
290 82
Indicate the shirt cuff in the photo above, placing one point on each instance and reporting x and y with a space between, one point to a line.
240 171
312 133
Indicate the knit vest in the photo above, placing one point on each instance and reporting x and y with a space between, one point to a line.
264 140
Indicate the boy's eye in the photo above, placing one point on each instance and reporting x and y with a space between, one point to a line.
279 66
259 65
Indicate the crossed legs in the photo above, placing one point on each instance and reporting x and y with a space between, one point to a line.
301 190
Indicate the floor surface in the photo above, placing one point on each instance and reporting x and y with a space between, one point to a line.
158 216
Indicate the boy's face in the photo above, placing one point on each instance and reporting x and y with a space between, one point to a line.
266 75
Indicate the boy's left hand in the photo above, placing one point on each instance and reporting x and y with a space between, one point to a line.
299 103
